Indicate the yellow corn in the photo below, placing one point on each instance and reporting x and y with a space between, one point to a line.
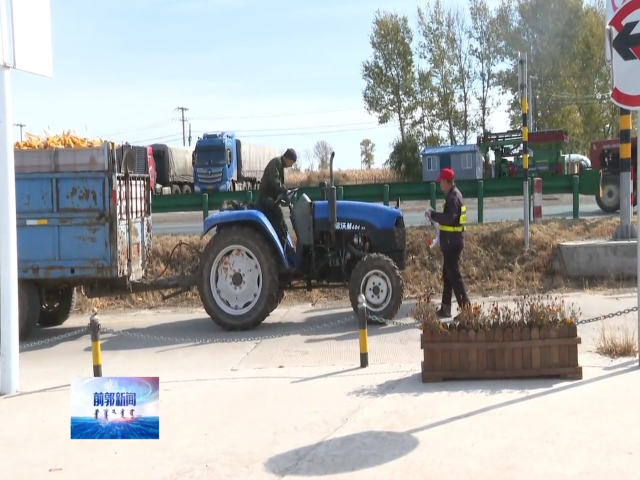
68 139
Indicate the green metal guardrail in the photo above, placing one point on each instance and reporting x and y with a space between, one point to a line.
587 183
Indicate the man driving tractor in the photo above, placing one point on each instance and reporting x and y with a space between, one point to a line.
271 187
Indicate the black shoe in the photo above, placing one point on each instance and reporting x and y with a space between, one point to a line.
443 312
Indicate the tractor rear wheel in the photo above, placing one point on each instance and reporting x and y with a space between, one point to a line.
238 278
609 200
378 278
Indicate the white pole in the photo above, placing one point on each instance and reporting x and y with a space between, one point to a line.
9 327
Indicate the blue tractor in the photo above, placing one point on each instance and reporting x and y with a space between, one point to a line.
245 270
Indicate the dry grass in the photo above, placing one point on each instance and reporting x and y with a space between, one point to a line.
618 343
342 177
493 263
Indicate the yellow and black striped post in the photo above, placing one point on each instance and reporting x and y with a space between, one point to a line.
96 355
523 78
362 328
625 230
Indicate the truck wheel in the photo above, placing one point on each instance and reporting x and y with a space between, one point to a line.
57 305
609 201
186 189
175 190
238 278
28 311
377 277
279 300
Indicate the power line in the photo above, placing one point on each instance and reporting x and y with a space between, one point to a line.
172 137
183 120
291 114
150 126
21 126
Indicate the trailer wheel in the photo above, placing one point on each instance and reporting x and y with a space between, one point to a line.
28 308
378 278
238 278
608 198
57 305
175 190
186 190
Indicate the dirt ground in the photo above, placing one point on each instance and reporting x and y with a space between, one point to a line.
494 262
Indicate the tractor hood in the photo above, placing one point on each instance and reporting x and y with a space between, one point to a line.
379 216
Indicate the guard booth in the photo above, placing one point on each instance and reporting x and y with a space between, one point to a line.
466 161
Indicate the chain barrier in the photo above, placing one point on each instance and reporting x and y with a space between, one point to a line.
37 343
371 318
607 316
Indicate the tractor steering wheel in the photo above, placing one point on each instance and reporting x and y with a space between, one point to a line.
285 198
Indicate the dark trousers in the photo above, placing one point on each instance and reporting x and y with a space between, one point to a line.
274 214
452 278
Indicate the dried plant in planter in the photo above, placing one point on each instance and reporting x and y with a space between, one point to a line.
529 311
536 337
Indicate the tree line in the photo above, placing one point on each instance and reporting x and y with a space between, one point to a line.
317 159
441 75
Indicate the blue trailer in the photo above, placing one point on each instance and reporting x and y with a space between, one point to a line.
83 220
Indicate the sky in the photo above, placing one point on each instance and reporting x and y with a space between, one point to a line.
282 73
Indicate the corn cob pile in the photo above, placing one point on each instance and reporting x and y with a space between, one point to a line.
68 139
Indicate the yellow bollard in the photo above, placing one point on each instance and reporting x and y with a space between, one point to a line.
95 343
362 327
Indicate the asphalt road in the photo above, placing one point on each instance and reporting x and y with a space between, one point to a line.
191 223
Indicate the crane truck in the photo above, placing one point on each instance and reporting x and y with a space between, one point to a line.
221 162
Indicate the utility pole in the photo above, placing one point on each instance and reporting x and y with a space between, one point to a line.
21 126
183 120
189 133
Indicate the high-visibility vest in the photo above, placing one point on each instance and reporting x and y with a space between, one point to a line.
461 222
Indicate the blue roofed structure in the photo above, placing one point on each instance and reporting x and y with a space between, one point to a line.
465 160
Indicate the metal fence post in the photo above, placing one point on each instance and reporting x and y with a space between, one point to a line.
205 206
480 201
385 195
94 325
432 195
575 187
362 327
340 193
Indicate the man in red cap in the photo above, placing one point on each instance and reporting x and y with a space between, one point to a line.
452 220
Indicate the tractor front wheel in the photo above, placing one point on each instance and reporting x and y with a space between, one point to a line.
238 278
378 278
608 197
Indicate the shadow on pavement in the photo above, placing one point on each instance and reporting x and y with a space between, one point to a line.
48 337
341 455
413 386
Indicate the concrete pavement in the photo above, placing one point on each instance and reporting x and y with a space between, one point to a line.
297 406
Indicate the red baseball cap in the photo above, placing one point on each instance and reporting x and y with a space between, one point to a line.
445 174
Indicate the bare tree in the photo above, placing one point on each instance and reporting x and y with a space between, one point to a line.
322 153
309 160
367 153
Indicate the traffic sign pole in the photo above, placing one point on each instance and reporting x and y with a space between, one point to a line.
625 230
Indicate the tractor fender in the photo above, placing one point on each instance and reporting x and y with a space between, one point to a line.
252 217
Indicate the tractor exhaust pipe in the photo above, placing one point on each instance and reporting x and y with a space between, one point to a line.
332 205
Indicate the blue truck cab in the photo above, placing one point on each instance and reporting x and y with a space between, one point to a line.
83 220
215 162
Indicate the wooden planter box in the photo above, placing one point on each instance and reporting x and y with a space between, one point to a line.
495 354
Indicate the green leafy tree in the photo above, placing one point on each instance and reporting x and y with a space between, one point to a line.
390 73
486 54
367 153
405 159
